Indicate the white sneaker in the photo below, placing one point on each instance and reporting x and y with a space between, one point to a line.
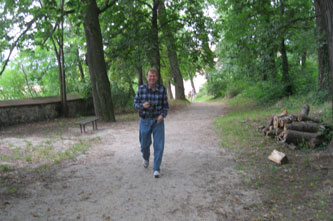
157 174
145 163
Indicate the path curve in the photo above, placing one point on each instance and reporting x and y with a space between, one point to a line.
199 180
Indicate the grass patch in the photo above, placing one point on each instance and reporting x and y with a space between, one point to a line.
290 183
5 168
12 190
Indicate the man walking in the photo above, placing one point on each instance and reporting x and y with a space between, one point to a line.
152 103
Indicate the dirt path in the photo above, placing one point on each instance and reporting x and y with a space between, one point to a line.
199 180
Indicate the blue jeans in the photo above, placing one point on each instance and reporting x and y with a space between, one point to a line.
150 126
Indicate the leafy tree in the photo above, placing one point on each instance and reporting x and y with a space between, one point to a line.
260 37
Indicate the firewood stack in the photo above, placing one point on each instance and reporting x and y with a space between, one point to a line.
289 128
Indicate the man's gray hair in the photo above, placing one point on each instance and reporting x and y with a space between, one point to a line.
154 70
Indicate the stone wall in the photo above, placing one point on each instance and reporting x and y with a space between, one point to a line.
42 109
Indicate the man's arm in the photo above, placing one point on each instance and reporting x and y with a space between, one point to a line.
138 104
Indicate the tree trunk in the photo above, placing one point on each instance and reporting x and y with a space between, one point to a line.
175 71
79 63
61 64
169 91
326 9
155 55
285 69
63 70
193 86
95 57
138 70
323 56
269 52
60 77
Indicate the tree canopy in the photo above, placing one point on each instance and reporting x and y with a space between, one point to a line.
102 49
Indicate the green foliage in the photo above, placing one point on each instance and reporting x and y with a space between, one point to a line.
265 92
250 49
12 85
122 97
203 94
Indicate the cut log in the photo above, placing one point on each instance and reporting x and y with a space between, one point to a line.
304 126
306 118
276 118
293 136
278 131
270 132
305 110
283 113
286 120
278 157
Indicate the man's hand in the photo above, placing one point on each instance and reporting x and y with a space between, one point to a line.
159 119
146 105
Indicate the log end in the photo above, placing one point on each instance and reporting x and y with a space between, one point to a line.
278 157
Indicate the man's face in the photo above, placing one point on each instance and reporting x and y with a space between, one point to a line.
152 78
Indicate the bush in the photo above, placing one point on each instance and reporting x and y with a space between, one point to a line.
122 98
217 87
265 92
234 88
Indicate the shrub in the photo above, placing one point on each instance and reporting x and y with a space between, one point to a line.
265 92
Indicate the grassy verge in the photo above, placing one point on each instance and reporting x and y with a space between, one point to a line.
299 190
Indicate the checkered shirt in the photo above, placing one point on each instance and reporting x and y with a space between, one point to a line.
157 99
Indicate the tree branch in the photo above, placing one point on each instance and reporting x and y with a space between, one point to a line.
107 5
53 30
145 3
292 22
69 12
29 24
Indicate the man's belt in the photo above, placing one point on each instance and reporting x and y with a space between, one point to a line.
148 116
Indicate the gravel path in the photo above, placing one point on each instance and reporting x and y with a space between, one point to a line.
199 180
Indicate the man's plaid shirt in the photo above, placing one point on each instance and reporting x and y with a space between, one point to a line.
157 99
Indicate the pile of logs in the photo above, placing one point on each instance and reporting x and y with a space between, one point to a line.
289 128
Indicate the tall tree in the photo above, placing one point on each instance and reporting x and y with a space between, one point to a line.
326 11
96 62
171 44
155 49
58 40
323 55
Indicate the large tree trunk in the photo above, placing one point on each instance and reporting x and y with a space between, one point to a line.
138 70
323 56
169 91
192 84
61 77
155 55
61 63
95 57
63 70
285 69
326 9
175 71
269 52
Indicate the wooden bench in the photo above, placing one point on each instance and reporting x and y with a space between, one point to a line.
83 123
